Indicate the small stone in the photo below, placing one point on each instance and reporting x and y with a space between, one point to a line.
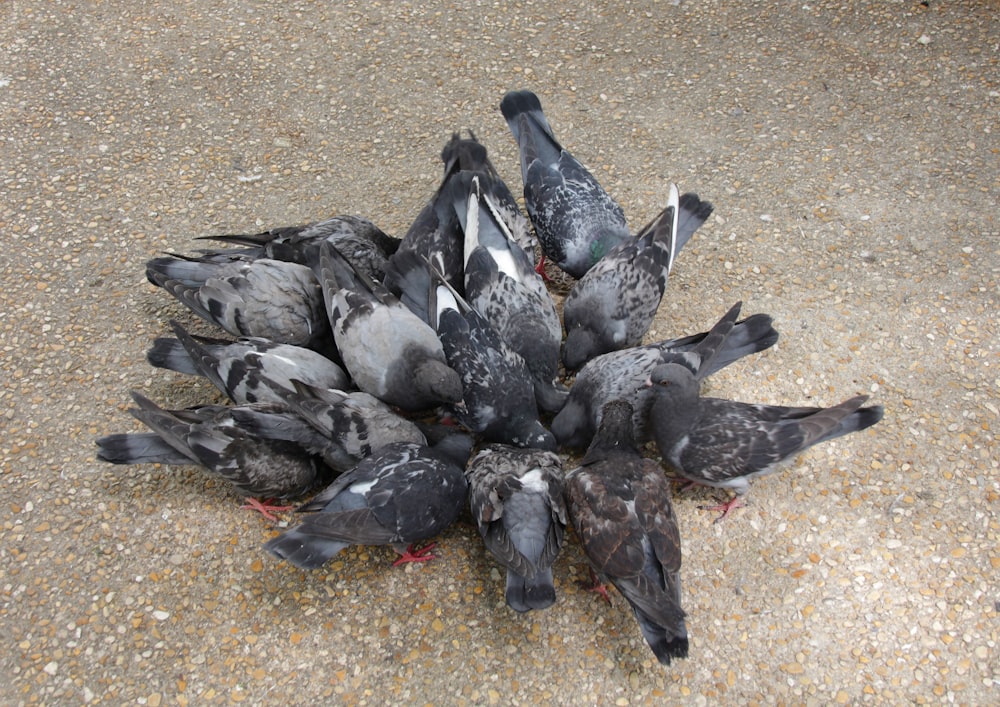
161 615
923 39
792 668
51 668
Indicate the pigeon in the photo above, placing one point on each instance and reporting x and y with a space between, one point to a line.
402 494
613 305
343 428
516 498
469 155
724 443
264 297
499 393
388 351
623 374
576 221
502 285
435 234
194 270
363 243
208 436
248 369
619 504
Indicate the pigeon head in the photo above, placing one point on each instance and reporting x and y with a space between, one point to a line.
572 427
437 381
616 432
537 437
667 374
456 448
674 396
580 346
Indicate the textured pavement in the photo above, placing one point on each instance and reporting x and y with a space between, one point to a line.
852 151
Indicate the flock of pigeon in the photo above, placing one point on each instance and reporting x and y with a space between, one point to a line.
373 366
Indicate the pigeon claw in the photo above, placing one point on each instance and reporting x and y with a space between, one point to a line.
266 508
422 555
724 508
596 586
540 269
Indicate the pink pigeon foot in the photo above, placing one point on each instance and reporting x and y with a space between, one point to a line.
596 586
540 269
266 508
734 502
411 555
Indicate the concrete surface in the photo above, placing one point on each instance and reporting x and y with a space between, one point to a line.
851 150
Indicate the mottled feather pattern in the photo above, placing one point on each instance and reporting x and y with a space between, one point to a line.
620 506
622 375
501 283
209 436
576 221
725 443
516 498
372 503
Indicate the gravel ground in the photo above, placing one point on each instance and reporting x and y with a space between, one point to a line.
851 150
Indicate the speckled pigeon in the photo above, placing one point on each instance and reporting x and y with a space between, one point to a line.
576 221
499 391
388 351
613 305
267 298
359 240
723 443
469 155
208 436
502 285
623 374
619 504
401 495
516 498
350 426
246 370
435 234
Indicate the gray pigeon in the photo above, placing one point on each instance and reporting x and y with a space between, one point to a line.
502 285
499 393
401 495
469 155
248 369
622 375
387 349
576 221
613 305
208 436
723 443
359 240
619 504
435 234
343 428
266 298
516 498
